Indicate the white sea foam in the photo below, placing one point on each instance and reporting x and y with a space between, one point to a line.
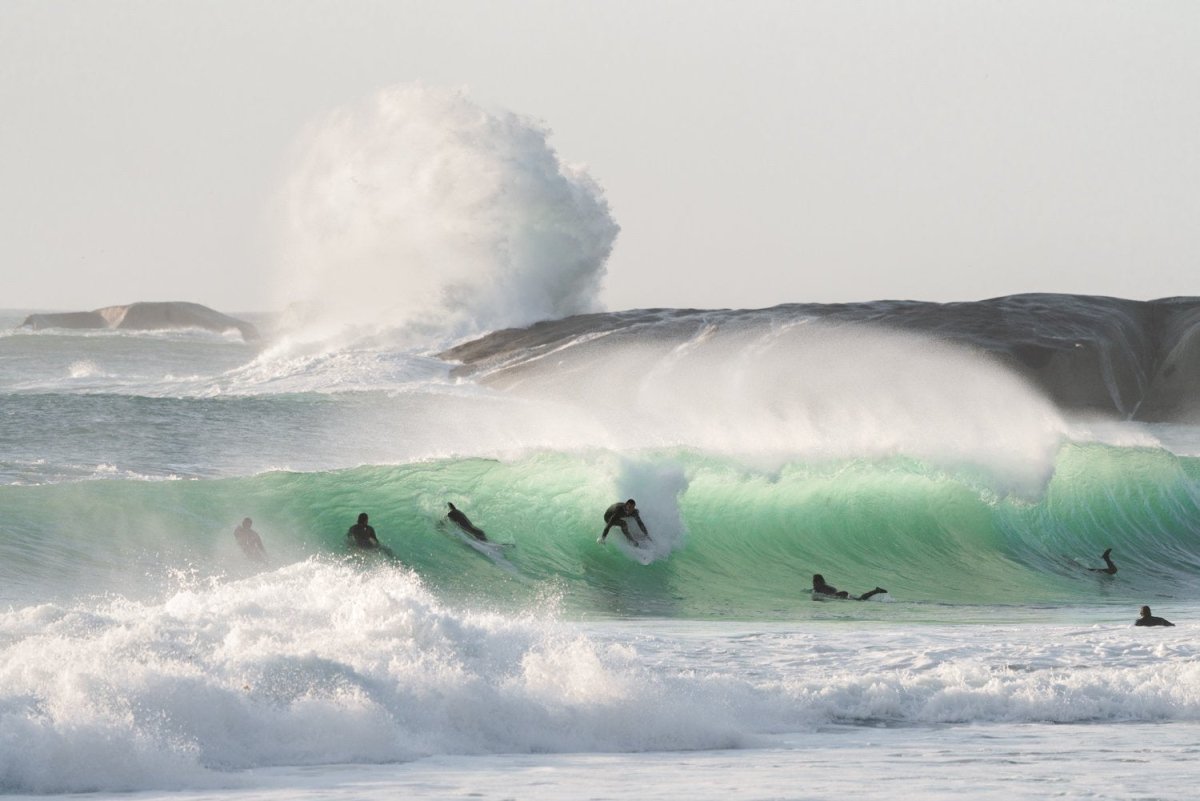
320 663
299 366
84 368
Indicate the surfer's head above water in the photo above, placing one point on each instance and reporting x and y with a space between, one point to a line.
1147 619
362 517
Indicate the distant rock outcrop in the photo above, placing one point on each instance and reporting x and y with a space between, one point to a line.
146 317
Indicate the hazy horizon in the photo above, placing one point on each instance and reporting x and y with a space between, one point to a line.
275 312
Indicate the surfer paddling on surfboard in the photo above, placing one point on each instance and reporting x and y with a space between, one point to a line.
361 535
250 543
821 588
618 515
462 521
1147 619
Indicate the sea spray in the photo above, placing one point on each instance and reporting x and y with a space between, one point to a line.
659 486
421 211
772 389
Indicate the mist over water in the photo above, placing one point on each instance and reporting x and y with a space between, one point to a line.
780 389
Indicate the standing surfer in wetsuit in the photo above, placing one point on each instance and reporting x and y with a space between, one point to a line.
464 522
1110 569
821 588
617 515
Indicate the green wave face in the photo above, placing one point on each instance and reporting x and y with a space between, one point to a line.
728 540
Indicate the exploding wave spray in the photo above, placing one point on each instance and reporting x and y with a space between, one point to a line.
420 210
775 389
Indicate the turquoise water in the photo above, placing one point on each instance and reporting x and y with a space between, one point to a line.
729 540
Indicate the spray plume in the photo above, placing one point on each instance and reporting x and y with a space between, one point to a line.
422 212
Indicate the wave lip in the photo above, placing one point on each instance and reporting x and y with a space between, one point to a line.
1123 358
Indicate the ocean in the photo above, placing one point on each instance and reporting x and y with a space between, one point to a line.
976 470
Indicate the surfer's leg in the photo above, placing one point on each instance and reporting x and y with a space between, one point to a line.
608 523
869 593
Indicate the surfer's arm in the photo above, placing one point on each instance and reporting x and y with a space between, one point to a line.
638 517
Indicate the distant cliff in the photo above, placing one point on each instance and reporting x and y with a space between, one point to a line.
146 317
1126 358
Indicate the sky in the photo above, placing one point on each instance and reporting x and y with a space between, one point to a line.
752 152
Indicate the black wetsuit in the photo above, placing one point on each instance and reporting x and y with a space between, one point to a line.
464 522
826 589
1110 568
362 536
250 543
616 515
1151 620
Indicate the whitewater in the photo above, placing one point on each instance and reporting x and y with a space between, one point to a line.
441 340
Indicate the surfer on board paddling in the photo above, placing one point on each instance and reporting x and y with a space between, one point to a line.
1147 619
821 588
362 535
462 521
250 543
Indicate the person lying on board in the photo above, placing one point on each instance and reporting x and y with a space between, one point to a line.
618 515
1148 619
362 535
1110 567
464 522
821 588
